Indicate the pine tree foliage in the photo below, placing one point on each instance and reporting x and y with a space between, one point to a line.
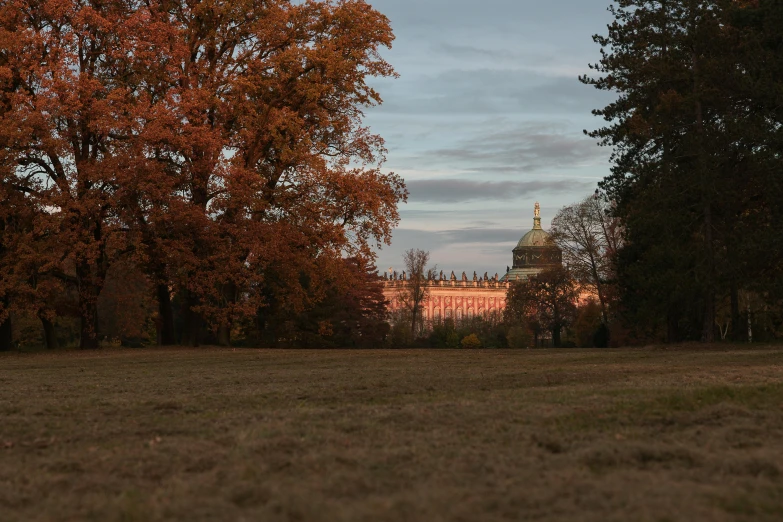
695 132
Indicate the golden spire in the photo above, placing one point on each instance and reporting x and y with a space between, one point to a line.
537 217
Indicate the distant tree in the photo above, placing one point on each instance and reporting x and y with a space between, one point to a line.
547 299
590 237
415 291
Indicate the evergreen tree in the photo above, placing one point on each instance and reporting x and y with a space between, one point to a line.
693 153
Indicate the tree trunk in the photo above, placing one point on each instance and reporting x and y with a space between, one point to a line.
6 327
224 335
708 324
736 319
6 333
556 337
88 309
229 292
672 327
413 321
166 335
191 333
88 336
50 335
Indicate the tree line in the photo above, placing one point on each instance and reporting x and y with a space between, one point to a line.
200 173
210 158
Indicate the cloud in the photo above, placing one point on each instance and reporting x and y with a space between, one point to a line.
479 235
460 190
526 87
524 150
500 149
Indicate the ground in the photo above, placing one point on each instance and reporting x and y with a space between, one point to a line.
205 434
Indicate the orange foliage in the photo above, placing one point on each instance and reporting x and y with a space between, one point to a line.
209 141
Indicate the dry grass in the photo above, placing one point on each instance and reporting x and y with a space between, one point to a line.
392 435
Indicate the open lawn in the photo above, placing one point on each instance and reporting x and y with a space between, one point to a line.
205 434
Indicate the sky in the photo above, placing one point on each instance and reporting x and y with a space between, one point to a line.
487 118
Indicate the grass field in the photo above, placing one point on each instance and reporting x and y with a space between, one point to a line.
625 435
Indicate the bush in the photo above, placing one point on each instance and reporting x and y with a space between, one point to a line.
587 322
519 337
400 336
452 339
471 342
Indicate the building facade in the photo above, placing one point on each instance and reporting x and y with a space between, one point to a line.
478 296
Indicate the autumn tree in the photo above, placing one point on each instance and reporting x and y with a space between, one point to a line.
268 163
546 300
211 142
70 103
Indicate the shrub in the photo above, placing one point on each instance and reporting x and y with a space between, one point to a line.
587 322
471 342
519 337
400 335
452 339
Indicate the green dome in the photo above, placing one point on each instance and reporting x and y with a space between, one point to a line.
535 238
534 253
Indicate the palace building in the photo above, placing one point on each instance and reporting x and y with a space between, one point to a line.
462 297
